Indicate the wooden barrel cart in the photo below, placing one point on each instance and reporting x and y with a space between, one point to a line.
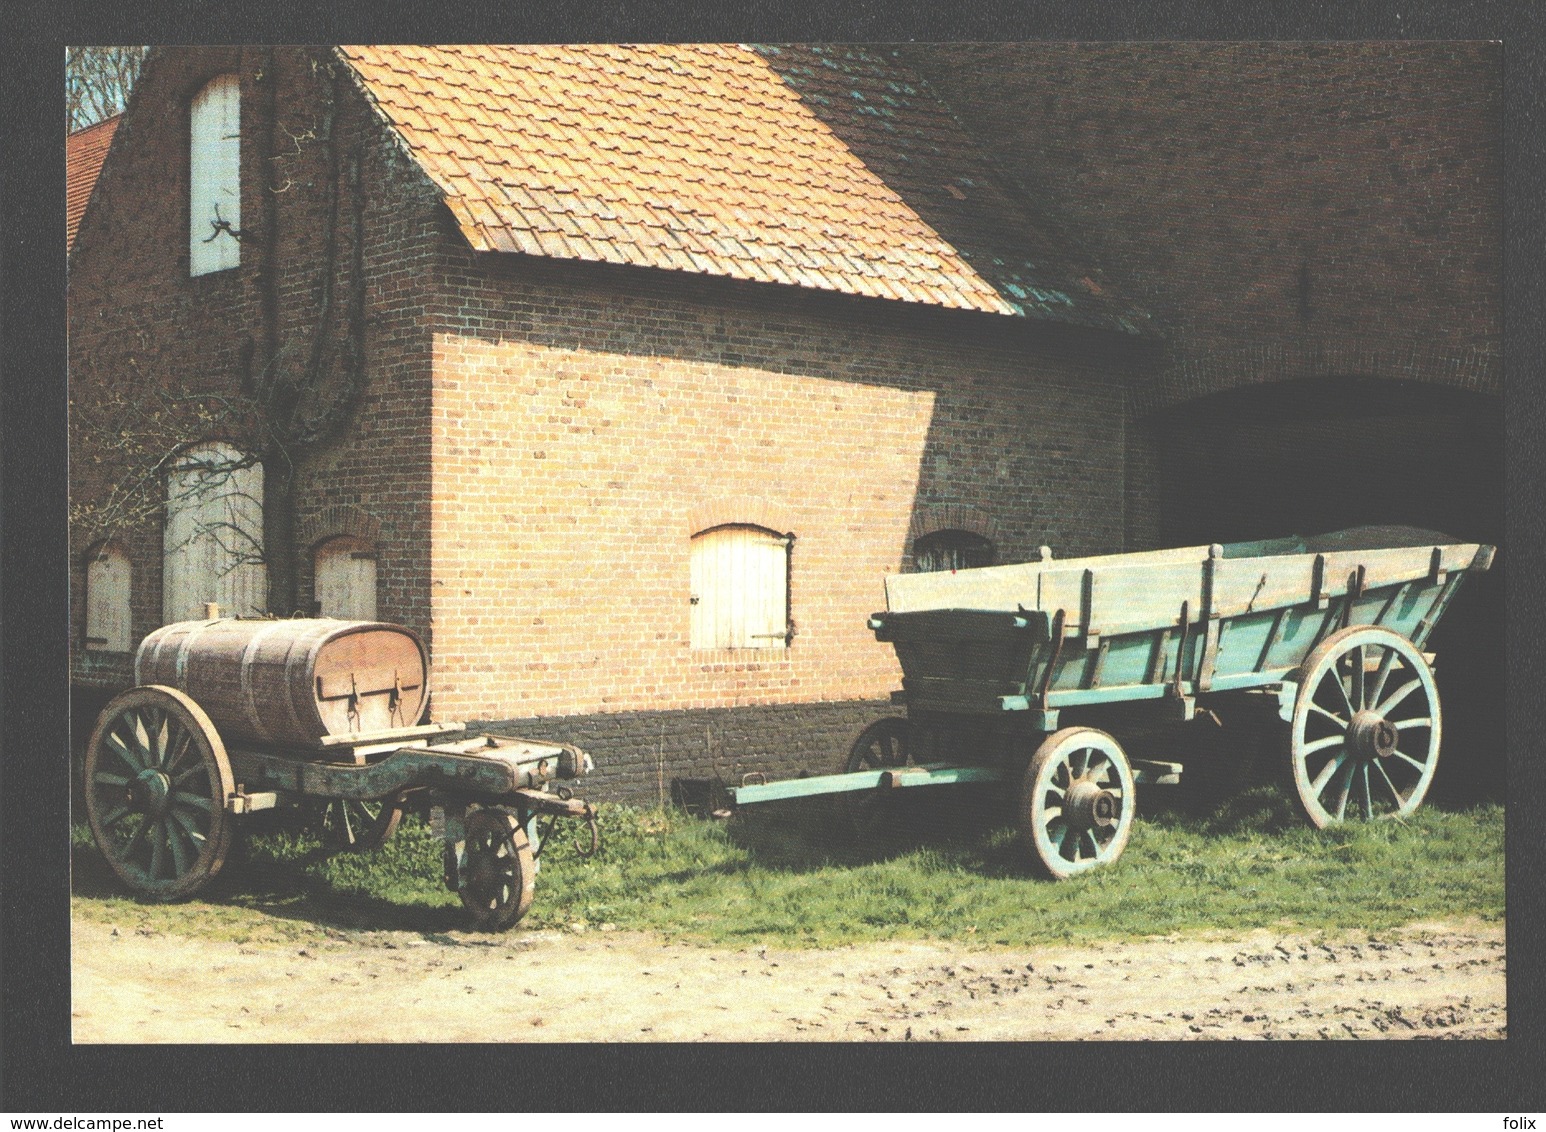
232 716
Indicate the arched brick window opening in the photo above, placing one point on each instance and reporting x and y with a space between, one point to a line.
344 579
952 549
740 588
108 580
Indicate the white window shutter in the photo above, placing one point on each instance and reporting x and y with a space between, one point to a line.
214 176
213 536
739 580
107 601
345 580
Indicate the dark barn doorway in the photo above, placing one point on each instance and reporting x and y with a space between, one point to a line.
1307 457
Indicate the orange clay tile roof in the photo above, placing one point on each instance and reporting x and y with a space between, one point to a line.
831 168
84 152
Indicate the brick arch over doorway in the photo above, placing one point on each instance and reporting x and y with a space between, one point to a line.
748 510
1476 369
338 519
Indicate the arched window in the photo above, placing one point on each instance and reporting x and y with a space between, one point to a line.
214 177
344 581
740 588
214 534
951 550
107 599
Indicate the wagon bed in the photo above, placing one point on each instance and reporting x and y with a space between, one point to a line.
1040 636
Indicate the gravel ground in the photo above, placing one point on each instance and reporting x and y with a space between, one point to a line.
1442 980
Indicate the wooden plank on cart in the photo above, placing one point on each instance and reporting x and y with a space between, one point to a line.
890 778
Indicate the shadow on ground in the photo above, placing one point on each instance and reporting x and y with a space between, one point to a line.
272 871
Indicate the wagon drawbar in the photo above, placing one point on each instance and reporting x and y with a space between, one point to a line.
232 716
1008 671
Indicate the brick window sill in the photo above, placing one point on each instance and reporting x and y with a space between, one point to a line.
742 660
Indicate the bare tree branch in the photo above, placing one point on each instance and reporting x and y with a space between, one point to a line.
97 82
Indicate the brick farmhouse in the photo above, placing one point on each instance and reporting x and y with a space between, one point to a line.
624 375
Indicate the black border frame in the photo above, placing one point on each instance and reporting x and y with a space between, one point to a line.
39 1068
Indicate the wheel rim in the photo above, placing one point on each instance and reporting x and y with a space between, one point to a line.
497 871
358 824
883 744
1366 728
156 779
1077 804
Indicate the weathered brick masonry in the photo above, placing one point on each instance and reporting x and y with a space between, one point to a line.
1288 211
597 426
139 322
1285 209
642 755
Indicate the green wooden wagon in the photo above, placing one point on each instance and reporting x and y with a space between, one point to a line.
1326 633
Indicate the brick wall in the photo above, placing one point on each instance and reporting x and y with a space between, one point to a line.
586 419
640 754
139 323
1286 210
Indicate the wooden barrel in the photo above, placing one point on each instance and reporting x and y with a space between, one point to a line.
290 683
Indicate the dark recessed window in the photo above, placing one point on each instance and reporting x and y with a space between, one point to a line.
951 550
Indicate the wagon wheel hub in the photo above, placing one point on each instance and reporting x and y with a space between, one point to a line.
149 792
1088 806
1372 736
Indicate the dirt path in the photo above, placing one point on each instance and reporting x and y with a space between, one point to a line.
1440 980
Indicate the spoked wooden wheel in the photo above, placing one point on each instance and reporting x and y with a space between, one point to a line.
1076 802
1364 740
884 744
157 779
497 873
357 824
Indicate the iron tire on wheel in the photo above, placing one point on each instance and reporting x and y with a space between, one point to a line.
358 825
884 744
496 871
156 783
1077 802
1364 739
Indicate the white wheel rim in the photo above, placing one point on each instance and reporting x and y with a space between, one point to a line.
1337 775
1069 848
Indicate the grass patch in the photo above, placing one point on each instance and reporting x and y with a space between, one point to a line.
777 875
